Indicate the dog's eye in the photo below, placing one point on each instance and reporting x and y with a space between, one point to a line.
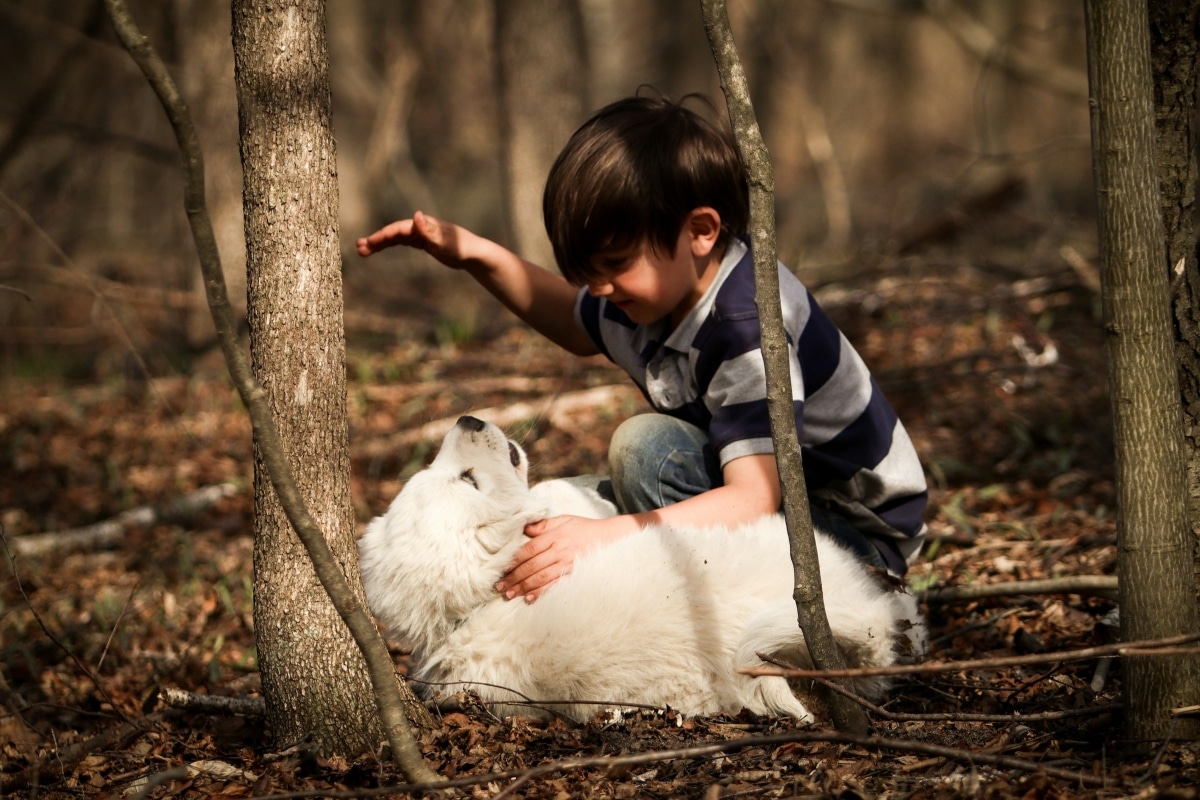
469 477
514 455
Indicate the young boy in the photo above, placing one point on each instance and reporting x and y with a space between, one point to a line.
644 208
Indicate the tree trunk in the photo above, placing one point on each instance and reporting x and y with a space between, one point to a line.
313 675
1174 50
542 79
1154 548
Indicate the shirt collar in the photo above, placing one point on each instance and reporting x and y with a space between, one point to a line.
681 338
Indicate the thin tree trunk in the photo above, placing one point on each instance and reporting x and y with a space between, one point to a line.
1154 556
314 678
810 607
388 691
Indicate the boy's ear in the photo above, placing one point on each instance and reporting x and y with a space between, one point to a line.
704 229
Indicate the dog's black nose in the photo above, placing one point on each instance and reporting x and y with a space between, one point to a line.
471 423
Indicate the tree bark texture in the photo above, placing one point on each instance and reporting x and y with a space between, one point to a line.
1154 549
808 595
313 676
1174 51
542 83
390 694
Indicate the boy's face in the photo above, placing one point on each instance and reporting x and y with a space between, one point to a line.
648 285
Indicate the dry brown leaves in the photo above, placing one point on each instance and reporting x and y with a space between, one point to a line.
1018 455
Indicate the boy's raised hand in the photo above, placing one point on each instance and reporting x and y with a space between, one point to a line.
442 240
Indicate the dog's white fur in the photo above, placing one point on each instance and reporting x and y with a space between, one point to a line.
664 617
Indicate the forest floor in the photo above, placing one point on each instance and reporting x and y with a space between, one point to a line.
987 341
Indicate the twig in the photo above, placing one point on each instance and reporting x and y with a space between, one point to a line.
760 178
111 531
15 290
1099 585
213 704
117 624
1145 647
389 701
1100 676
1088 275
1152 770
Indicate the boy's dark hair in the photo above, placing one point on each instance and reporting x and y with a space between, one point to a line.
631 174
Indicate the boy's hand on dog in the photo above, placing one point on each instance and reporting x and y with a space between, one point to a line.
554 545
442 240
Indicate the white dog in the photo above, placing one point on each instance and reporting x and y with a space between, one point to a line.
664 617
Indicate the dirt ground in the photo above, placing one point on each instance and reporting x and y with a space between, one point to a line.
986 339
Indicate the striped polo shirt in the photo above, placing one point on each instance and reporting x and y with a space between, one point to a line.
858 458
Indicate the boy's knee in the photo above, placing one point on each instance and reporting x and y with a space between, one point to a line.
633 436
655 459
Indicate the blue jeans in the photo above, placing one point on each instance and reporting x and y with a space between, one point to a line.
656 460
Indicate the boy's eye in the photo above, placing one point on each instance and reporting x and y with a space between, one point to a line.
612 263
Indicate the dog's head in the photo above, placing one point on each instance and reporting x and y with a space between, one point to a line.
485 473
449 534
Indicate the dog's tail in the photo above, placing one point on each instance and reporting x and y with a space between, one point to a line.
874 634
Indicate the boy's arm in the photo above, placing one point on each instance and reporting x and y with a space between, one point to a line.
751 490
541 298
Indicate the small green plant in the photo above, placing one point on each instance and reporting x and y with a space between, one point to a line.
457 329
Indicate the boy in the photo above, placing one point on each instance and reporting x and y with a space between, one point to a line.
644 208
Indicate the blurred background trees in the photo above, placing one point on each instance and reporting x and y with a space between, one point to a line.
887 120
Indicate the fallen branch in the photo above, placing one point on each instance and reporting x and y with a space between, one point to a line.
111 531
557 409
1145 647
1098 585
213 704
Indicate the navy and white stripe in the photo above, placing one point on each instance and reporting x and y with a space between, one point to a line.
709 371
